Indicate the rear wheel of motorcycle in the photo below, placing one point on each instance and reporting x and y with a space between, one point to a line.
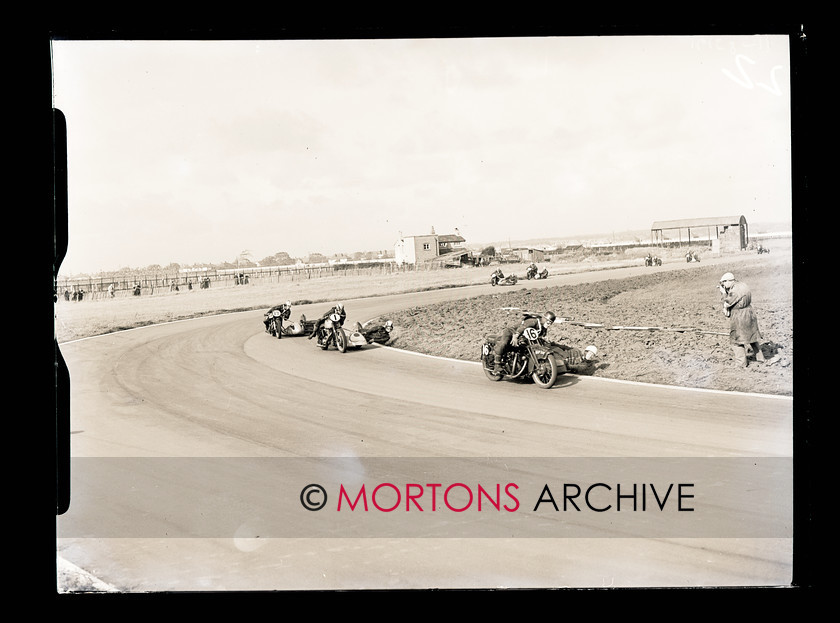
546 372
340 340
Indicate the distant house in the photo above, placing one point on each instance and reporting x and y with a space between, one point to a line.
430 248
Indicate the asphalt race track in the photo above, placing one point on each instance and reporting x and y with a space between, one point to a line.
191 442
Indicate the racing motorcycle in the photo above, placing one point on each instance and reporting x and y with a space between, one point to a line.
496 280
533 273
653 261
275 324
330 332
532 357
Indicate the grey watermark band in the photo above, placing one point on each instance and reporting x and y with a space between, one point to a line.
510 497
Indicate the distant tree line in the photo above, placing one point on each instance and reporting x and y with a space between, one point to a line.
243 262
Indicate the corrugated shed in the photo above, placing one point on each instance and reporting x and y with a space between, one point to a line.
712 221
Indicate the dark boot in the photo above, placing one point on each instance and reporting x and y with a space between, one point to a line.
497 365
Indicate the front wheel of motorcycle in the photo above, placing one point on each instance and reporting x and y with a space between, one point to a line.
545 374
488 364
488 372
340 340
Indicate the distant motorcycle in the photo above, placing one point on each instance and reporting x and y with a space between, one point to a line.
532 357
496 280
330 332
533 273
653 261
763 249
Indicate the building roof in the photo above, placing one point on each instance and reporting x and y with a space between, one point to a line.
443 238
711 221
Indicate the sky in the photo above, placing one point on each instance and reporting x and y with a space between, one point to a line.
200 151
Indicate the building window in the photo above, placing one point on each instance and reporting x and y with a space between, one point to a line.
426 246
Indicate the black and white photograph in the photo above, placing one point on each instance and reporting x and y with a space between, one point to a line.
461 312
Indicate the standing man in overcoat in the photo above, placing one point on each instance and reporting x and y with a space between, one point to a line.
743 323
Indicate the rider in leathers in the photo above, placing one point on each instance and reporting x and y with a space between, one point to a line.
532 270
338 308
497 276
510 336
286 311
376 333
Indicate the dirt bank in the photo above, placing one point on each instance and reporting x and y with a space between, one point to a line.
667 300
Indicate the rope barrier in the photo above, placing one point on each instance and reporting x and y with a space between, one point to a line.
597 325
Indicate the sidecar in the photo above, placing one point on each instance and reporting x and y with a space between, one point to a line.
509 280
301 327
354 338
574 360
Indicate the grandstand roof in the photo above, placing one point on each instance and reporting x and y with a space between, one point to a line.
710 221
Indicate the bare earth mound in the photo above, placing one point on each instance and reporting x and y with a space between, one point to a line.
663 301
